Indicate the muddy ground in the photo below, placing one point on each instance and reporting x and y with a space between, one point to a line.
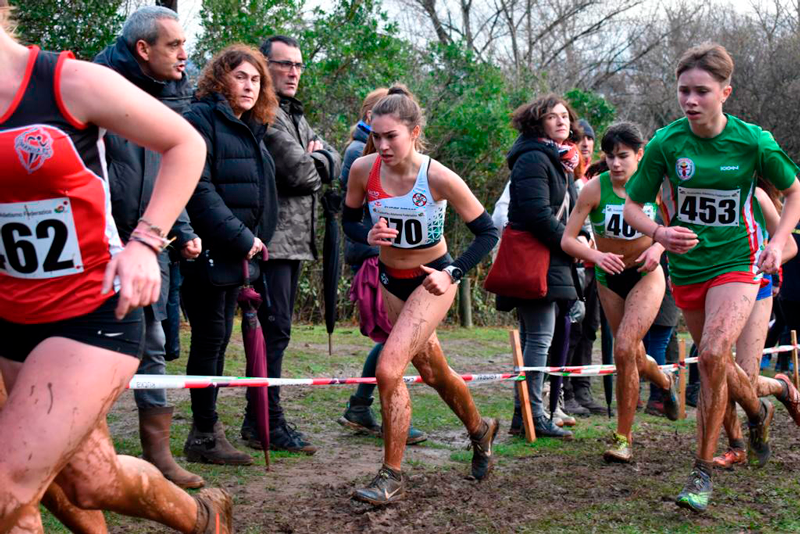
548 486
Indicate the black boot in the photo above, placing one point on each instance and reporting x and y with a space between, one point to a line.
213 448
584 398
359 416
544 427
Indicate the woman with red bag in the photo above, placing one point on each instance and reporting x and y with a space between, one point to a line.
543 161
630 281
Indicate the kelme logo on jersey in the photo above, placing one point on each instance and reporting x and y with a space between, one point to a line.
34 146
684 168
419 199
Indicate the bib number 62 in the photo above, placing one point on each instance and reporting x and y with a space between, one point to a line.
38 239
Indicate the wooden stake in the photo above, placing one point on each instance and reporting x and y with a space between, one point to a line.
682 378
795 378
522 387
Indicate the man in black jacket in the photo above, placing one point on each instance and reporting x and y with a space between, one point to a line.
150 54
303 162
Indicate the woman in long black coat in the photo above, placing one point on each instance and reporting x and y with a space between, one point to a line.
543 161
234 211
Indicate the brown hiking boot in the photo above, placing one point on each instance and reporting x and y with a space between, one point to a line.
154 429
792 398
213 448
214 512
731 458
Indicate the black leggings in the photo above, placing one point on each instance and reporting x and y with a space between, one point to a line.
210 310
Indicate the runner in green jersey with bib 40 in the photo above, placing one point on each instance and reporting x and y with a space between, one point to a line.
706 165
630 281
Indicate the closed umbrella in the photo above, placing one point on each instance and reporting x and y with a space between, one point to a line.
255 350
331 208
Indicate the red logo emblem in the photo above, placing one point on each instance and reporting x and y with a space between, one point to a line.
34 146
419 199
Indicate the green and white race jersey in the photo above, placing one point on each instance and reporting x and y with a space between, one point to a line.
708 186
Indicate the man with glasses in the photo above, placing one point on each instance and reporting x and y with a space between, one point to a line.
303 162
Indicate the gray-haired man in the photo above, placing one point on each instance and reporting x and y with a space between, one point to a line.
150 53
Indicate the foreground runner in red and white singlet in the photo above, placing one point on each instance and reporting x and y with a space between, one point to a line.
69 290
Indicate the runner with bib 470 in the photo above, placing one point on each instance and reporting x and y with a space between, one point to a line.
706 165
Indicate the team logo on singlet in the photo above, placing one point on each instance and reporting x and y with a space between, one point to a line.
34 146
419 199
684 168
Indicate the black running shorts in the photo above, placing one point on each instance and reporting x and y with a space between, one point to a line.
402 282
99 328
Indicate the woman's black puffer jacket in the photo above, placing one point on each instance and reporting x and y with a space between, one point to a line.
538 184
236 197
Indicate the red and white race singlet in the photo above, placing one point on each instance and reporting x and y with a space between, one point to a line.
56 230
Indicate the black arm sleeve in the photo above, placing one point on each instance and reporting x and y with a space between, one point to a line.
353 224
486 236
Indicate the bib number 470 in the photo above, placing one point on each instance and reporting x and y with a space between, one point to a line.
709 207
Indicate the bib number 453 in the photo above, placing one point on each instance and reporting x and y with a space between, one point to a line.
709 207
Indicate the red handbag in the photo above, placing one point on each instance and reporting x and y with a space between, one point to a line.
520 268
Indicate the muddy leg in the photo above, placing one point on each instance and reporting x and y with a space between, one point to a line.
96 478
630 320
432 366
75 519
414 321
727 309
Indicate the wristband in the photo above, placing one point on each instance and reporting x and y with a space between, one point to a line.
153 228
159 244
145 243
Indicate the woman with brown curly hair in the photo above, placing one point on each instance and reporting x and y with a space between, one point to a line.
544 161
233 210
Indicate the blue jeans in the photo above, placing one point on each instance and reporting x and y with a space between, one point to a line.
537 322
655 343
152 363
172 324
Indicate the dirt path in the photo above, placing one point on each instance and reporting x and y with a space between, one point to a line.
545 487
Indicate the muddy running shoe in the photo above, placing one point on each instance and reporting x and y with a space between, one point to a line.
620 451
359 416
387 487
697 491
214 512
731 458
482 455
790 398
670 399
758 450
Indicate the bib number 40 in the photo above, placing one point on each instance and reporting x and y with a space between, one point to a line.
709 207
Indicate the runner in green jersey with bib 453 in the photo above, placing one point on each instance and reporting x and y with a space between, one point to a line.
706 165
630 281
